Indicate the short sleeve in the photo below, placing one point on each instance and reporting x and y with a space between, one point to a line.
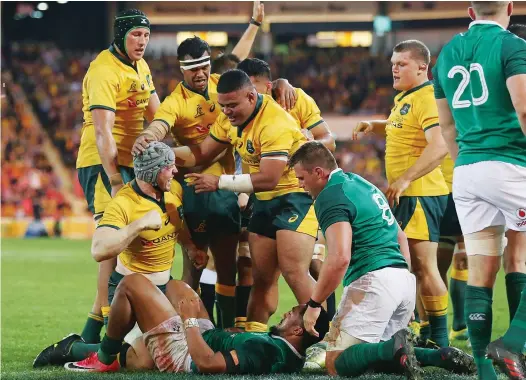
168 112
426 112
332 206
219 130
513 55
256 357
102 87
309 113
277 139
439 91
115 216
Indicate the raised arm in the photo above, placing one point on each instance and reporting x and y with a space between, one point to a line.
243 47
200 154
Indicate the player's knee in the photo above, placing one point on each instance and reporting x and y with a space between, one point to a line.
295 277
131 282
488 242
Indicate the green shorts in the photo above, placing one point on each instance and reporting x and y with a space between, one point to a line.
96 186
114 280
292 211
210 214
450 225
420 217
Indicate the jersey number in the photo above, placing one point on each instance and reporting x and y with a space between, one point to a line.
387 215
466 77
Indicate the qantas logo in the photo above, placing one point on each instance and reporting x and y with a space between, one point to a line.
163 239
135 103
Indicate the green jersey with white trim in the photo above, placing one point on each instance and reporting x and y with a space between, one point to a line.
471 73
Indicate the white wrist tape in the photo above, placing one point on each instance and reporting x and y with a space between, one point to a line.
237 183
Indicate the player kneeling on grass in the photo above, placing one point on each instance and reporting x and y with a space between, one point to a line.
369 252
181 338
140 227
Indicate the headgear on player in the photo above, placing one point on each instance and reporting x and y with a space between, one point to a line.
149 163
124 23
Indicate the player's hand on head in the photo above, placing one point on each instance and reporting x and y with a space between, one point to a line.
258 11
395 190
364 127
285 94
152 221
309 319
203 183
140 145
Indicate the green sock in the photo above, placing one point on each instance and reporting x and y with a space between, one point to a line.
515 337
81 350
457 291
425 330
428 357
356 359
515 282
226 303
92 328
242 296
479 318
439 330
109 348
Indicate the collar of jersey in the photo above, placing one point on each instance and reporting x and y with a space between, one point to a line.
204 94
120 58
138 190
485 22
335 171
428 83
289 345
259 102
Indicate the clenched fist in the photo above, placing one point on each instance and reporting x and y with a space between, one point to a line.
152 221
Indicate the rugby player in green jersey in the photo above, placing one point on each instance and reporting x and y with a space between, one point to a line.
186 341
480 87
368 251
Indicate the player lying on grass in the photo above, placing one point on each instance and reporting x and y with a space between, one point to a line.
181 338
368 251
140 227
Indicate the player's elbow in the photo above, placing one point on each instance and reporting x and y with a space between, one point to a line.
98 251
330 142
267 183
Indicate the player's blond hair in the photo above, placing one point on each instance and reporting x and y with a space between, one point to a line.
488 8
418 50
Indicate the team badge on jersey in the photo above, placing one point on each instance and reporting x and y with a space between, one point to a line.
199 112
405 109
250 147
133 87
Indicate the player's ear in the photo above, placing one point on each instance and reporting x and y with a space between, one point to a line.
510 8
299 331
269 88
471 13
422 68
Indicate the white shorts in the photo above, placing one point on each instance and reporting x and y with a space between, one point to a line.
490 193
168 347
373 308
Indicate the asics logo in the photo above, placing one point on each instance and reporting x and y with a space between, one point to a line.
293 218
477 317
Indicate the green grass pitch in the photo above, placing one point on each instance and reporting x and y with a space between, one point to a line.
47 290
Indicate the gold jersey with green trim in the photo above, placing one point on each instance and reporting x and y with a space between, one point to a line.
189 115
305 111
269 131
258 353
113 84
414 112
447 167
152 251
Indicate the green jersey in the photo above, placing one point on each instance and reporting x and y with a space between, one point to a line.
347 197
471 73
258 353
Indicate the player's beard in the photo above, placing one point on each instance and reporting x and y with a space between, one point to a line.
274 330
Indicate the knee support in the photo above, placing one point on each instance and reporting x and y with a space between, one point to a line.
488 242
319 252
243 249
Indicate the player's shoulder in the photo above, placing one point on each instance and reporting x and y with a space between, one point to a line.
126 198
214 78
143 65
176 193
273 113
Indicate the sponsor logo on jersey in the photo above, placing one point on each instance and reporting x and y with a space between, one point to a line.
162 239
133 87
293 218
135 103
405 109
199 112
131 103
250 147
521 213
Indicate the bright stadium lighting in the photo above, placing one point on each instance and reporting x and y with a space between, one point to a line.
37 14
62 2
42 6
